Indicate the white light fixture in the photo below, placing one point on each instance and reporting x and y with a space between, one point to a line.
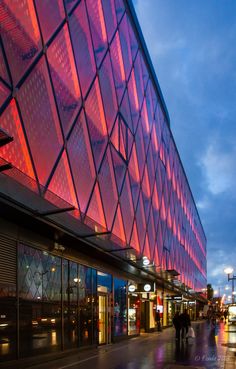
131 288
147 287
146 261
228 270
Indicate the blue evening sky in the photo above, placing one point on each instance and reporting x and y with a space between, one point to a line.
192 44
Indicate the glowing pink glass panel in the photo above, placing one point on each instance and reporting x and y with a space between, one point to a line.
40 120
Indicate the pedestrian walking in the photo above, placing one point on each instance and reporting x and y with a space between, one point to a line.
178 325
225 313
185 322
158 320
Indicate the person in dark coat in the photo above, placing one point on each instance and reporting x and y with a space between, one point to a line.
185 322
177 324
158 320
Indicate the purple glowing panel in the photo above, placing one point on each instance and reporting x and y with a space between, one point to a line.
51 13
109 12
98 28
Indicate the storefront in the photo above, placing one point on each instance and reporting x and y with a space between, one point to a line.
60 303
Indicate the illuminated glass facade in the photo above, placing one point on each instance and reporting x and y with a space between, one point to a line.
85 138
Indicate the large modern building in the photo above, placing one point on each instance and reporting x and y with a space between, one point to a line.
98 225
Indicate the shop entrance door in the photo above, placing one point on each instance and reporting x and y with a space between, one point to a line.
103 316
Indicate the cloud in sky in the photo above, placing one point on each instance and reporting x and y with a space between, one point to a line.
191 44
219 169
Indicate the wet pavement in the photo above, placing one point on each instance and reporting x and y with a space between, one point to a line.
212 348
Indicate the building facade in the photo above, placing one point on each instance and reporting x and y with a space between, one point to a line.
98 224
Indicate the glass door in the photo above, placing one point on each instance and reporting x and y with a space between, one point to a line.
103 319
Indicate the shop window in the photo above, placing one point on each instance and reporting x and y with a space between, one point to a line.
7 299
86 306
40 301
120 307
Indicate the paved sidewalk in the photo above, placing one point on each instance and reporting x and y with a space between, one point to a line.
213 348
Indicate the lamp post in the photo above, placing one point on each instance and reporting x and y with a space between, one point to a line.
229 271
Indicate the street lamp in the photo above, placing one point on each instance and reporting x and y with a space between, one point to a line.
228 271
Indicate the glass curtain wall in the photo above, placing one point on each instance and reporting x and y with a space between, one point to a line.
48 286
120 307
7 322
39 301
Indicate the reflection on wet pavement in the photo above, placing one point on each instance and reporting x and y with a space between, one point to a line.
159 350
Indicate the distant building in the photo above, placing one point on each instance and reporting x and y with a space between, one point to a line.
98 225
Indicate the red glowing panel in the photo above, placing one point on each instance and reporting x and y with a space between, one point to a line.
40 120
64 76
140 148
82 45
108 92
109 12
118 227
154 138
151 232
119 167
125 45
134 242
20 35
146 184
133 98
127 208
163 209
4 93
140 219
16 152
156 257
107 180
51 14
95 209
81 161
98 28
125 111
97 123
115 136
150 167
146 249
118 66
133 165
155 198
61 183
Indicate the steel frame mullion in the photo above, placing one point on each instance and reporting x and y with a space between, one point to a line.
6 63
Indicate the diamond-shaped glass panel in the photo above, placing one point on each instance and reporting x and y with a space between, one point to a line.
81 161
107 180
98 28
40 120
61 182
108 92
64 77
20 35
109 12
96 122
16 152
50 13
82 45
